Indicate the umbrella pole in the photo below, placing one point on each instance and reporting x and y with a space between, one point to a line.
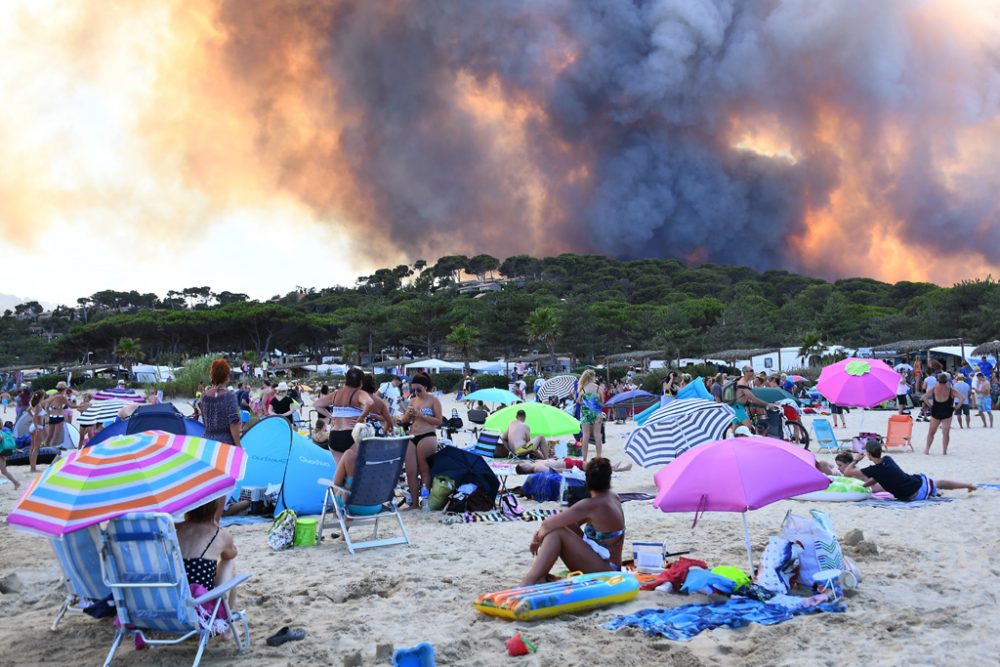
746 541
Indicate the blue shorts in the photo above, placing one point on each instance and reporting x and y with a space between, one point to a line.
985 403
741 413
928 489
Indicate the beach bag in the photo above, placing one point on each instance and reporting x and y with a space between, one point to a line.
576 490
478 501
441 489
777 565
282 533
820 549
7 444
510 507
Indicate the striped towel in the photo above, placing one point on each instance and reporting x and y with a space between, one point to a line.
496 517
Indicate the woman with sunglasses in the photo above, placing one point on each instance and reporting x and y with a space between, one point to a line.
423 416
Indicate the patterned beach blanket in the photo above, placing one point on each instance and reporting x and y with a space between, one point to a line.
496 517
893 504
683 623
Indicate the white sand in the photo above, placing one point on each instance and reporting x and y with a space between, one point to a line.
929 595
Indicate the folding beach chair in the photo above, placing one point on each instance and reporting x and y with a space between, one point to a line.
900 432
826 439
378 466
81 566
141 562
477 418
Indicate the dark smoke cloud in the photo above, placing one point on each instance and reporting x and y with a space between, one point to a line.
631 134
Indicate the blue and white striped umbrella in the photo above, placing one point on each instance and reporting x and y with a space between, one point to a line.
560 387
677 427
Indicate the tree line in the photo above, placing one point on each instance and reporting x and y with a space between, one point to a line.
586 305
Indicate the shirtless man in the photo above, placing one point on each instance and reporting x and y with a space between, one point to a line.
518 439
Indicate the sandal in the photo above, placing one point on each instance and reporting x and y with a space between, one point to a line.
286 634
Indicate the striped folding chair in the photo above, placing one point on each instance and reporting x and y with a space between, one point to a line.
81 566
142 565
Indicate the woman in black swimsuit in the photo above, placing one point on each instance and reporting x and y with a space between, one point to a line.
345 407
208 550
423 416
942 401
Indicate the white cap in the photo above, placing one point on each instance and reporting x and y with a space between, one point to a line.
743 432
282 386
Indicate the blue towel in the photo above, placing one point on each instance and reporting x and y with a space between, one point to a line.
243 520
683 623
995 487
894 504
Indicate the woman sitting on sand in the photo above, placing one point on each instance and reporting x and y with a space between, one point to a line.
588 536
208 550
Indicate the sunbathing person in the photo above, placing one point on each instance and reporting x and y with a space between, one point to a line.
588 536
208 550
518 439
843 461
529 467
900 484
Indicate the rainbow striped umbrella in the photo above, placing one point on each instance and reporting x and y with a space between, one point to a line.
152 471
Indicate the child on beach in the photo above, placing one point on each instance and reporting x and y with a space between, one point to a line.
208 550
891 477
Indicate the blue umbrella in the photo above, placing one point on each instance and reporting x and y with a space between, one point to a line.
628 396
493 395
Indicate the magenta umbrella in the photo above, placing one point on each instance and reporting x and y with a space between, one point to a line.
859 383
736 475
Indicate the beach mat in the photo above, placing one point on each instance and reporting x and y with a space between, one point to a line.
991 486
892 504
629 497
684 622
496 517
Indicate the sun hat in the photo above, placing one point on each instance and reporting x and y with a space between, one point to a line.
282 386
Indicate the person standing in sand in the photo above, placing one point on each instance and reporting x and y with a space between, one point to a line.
985 399
590 412
941 400
219 409
423 416
36 409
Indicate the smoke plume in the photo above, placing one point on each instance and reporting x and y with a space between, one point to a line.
835 138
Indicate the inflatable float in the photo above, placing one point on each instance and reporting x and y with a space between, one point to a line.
573 594
841 489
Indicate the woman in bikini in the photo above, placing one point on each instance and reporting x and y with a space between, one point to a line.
588 536
587 394
208 550
39 419
423 416
345 407
942 401
56 406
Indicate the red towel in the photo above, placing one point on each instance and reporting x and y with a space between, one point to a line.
675 573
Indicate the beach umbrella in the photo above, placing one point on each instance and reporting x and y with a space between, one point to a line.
120 394
628 396
558 387
677 427
773 394
493 395
859 383
798 378
146 472
543 420
736 475
101 411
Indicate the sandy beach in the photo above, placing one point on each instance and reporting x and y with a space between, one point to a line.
929 594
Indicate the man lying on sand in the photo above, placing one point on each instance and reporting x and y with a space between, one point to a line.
529 467
900 484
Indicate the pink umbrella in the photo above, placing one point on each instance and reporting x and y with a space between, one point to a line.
736 475
859 383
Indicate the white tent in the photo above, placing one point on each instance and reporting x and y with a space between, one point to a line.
327 369
148 374
495 367
434 365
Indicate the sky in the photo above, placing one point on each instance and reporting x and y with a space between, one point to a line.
257 146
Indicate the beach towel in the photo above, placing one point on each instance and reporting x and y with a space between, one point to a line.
683 623
496 517
628 497
994 487
243 520
893 504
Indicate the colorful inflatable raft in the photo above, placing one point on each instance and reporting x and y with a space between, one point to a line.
573 594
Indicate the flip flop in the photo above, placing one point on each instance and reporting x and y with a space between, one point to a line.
286 634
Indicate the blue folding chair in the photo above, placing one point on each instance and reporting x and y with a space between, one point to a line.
141 563
826 438
81 566
376 472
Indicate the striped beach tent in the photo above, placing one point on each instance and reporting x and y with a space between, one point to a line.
676 427
101 411
559 387
152 471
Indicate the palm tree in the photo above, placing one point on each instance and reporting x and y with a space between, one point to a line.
465 337
811 346
129 350
543 327
350 352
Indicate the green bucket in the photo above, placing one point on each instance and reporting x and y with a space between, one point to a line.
305 533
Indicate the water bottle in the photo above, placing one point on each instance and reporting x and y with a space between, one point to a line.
425 500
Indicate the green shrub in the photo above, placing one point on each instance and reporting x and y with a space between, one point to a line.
485 381
195 372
